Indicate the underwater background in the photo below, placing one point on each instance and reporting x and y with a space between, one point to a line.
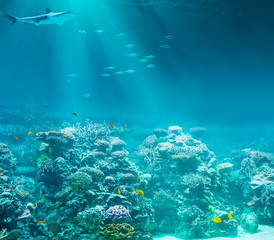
136 118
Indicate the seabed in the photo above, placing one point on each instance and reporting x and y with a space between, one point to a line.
264 233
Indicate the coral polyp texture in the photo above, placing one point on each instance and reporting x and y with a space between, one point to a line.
117 212
83 182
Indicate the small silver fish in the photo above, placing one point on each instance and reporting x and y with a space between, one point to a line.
143 60
105 75
130 71
131 45
109 68
150 66
133 54
119 73
165 46
99 31
150 57
169 37
120 34
82 32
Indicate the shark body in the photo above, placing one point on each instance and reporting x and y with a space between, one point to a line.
46 19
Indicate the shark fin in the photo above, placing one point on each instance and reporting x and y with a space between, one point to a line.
13 19
48 10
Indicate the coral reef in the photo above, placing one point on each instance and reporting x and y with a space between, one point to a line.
84 182
250 222
117 231
7 162
80 180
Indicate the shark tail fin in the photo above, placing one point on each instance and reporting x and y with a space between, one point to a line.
13 19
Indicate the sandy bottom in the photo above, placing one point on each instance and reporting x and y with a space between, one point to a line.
264 233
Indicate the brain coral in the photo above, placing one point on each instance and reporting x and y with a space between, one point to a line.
97 175
80 180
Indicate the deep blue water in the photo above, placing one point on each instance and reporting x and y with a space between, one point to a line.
219 67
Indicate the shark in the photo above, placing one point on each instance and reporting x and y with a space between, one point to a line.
45 19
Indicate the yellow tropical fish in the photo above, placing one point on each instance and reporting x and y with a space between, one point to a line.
140 193
30 133
217 220
36 205
46 166
119 191
230 216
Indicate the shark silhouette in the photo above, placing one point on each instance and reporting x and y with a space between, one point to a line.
46 19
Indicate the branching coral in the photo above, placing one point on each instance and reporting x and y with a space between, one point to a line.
248 167
87 134
117 231
90 218
192 181
152 161
2 234
264 181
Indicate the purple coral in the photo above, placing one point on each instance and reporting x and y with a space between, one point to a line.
117 212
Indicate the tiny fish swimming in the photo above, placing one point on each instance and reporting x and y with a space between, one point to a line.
45 19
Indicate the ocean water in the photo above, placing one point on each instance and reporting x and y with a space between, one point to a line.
136 119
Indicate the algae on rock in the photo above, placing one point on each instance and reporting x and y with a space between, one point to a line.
117 231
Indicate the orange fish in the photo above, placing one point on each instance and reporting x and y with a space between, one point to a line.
221 167
10 188
65 136
148 234
36 205
1 175
70 190
111 125
40 222
17 138
125 125
75 114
